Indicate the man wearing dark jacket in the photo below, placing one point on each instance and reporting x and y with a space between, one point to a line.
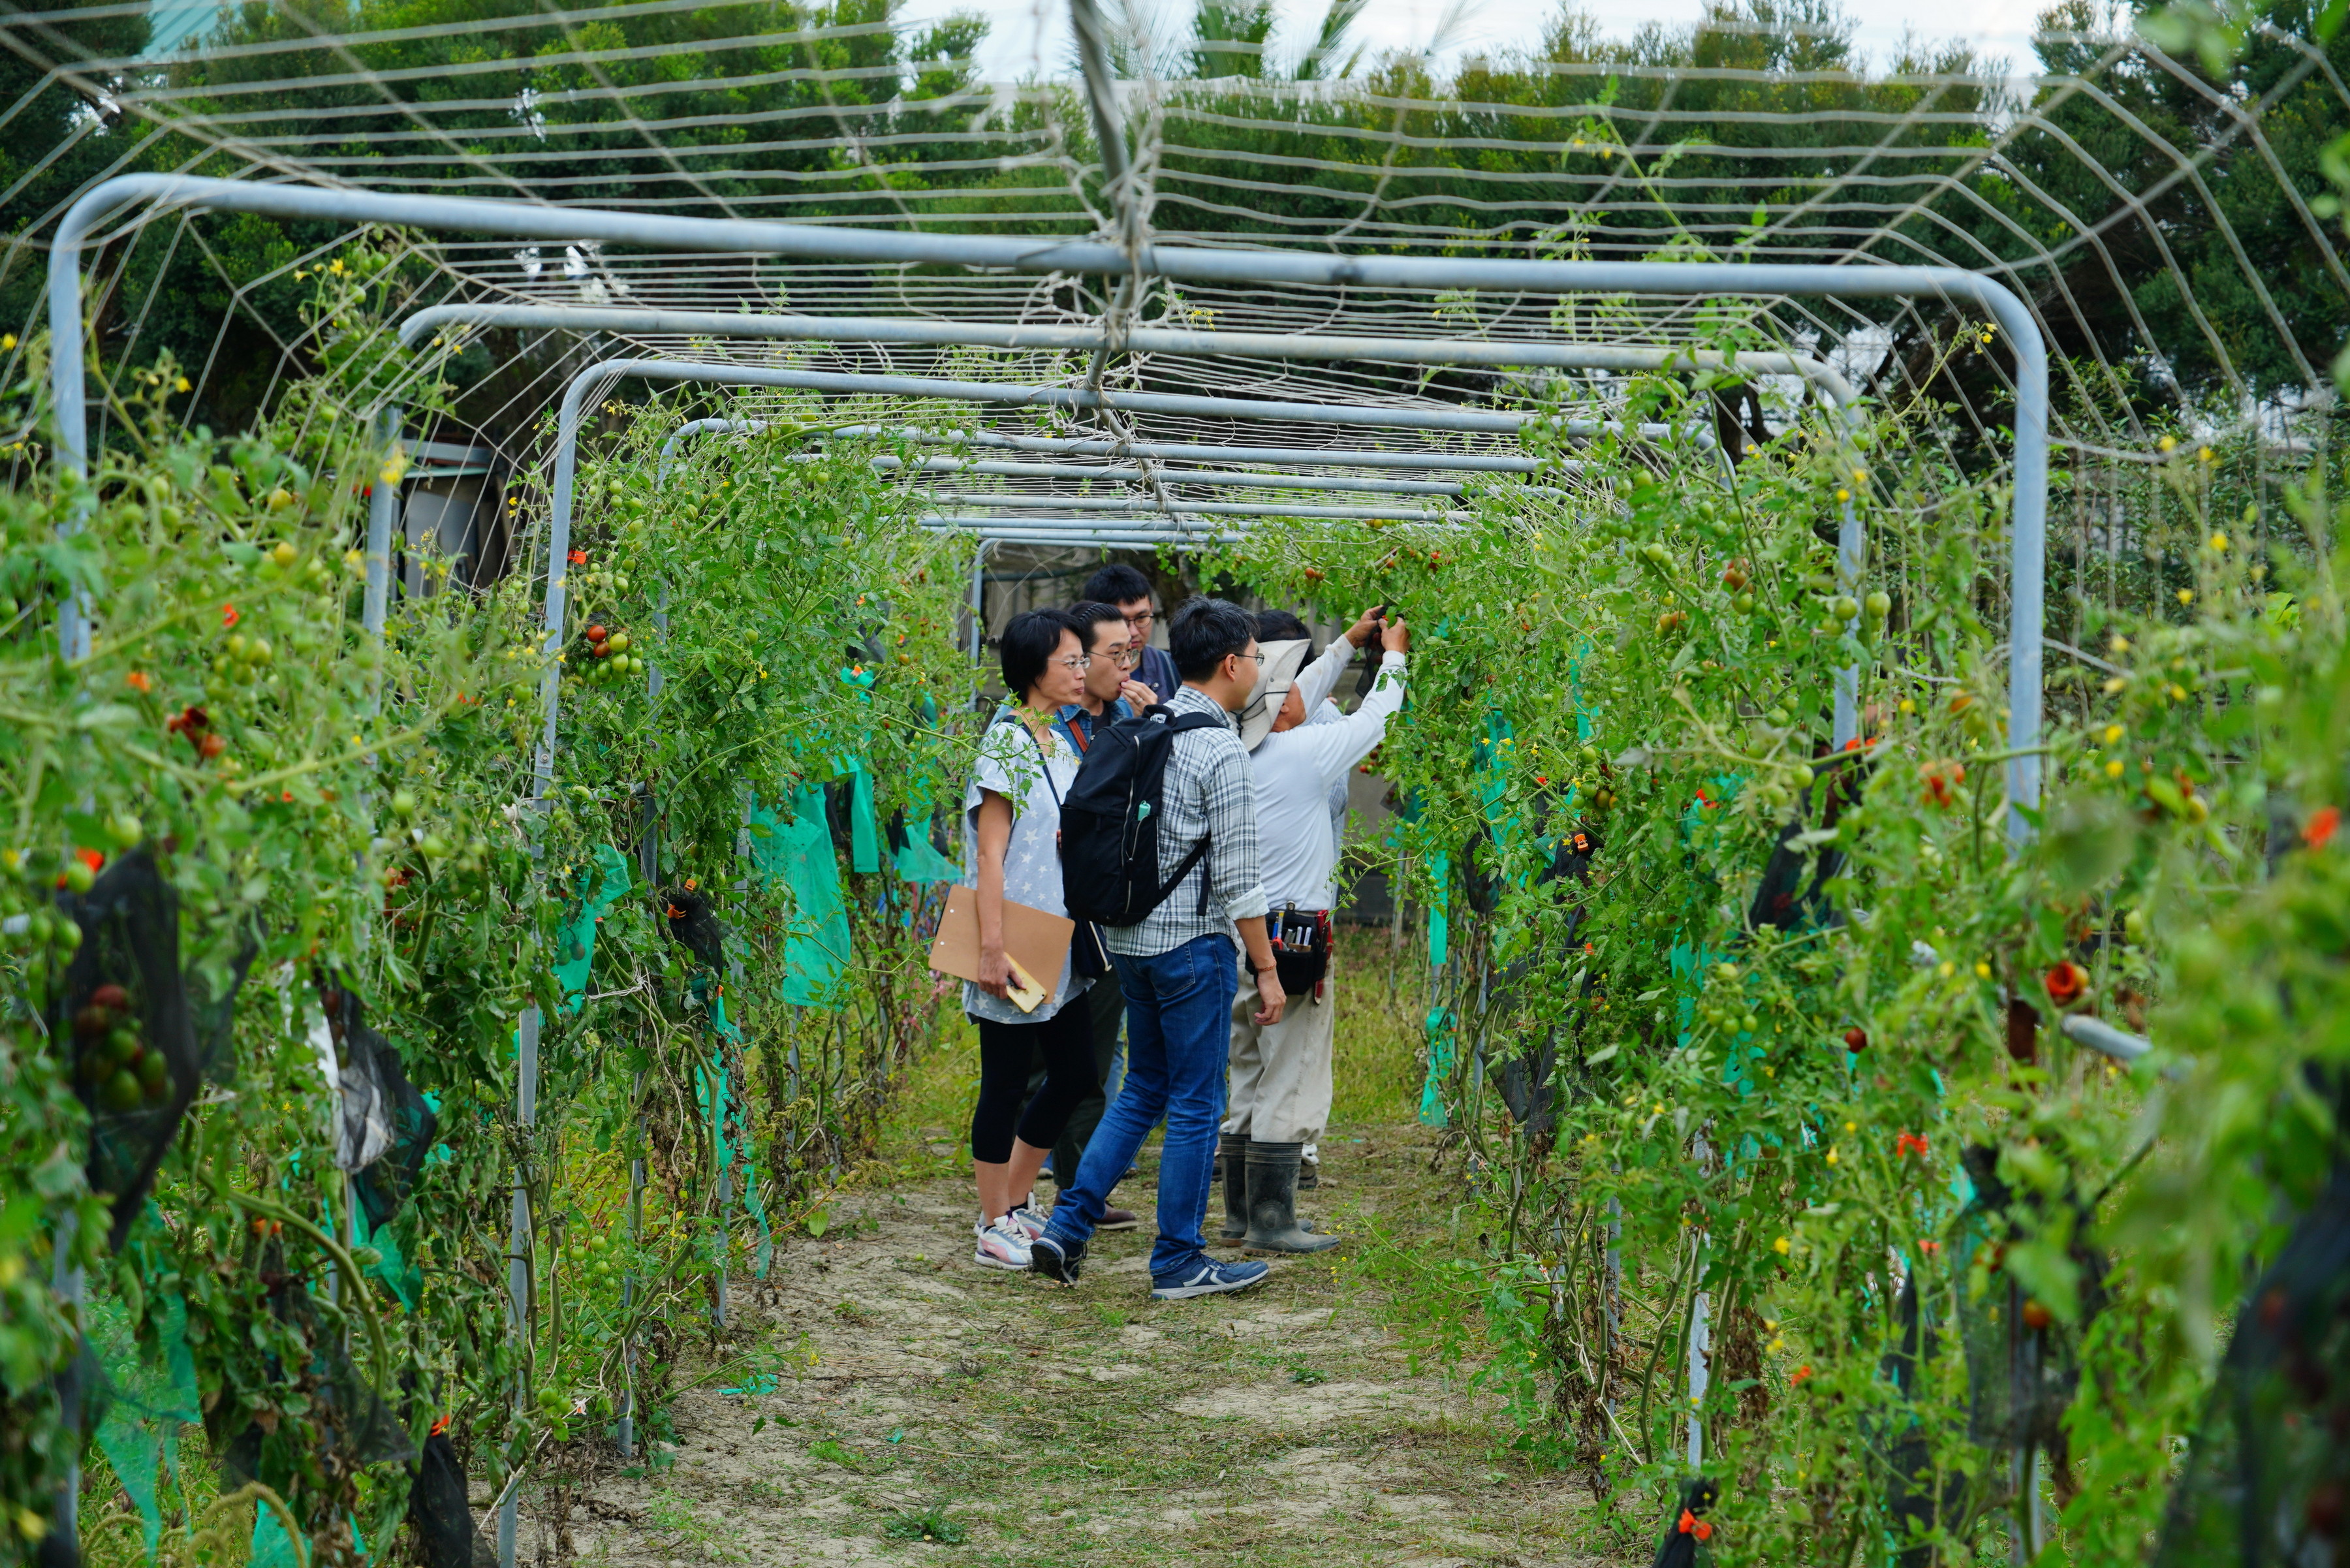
1129 590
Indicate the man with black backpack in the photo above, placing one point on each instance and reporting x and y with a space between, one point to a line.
1159 843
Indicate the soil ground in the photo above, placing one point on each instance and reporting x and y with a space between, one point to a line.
1090 1426
1013 1421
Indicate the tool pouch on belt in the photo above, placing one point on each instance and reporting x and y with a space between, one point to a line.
1301 948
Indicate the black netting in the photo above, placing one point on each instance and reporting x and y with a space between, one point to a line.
1920 1499
1687 1532
2023 1366
385 1129
139 1042
694 925
350 1420
1794 891
2268 1479
438 1508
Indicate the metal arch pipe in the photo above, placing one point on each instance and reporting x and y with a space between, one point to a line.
1182 452
1483 352
2027 535
1218 478
592 381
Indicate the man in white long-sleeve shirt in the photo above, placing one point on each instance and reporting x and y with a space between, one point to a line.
1281 1072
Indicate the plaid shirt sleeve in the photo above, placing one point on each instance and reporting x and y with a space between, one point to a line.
1235 871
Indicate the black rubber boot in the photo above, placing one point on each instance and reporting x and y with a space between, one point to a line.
1273 1202
1232 1159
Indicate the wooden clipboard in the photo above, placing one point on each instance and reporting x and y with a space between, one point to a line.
1036 943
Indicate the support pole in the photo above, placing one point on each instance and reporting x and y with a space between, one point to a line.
1850 559
383 521
518 1266
66 1282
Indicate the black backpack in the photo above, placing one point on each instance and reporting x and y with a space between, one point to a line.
1109 822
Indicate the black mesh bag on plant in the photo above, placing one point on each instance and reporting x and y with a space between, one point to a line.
384 1130
438 1507
694 925
2022 1366
1919 1500
352 1421
2268 1479
127 1018
1687 1532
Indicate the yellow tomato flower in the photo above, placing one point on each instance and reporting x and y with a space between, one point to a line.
2187 595
1782 1246
2220 542
2113 733
2114 768
1983 970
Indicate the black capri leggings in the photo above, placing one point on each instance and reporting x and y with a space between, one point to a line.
1066 1041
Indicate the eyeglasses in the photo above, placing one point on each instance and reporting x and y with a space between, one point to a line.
1140 621
1125 658
1080 663
1258 657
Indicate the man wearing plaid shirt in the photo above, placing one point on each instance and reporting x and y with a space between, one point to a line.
1179 969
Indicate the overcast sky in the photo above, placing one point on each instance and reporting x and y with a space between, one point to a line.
1033 34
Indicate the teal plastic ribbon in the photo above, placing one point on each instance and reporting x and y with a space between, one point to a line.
1441 1052
575 939
719 1102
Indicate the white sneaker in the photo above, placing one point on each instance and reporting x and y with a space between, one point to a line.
1002 1245
1031 1224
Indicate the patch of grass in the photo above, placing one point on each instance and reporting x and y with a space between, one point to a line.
1382 1026
930 1524
1110 1317
847 1459
1308 1375
854 1314
686 1523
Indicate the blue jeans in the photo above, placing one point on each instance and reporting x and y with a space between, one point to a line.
1179 1009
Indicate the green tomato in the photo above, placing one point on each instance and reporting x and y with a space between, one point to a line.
403 803
122 1092
125 830
80 877
1878 605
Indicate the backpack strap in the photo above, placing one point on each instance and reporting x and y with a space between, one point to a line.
1181 724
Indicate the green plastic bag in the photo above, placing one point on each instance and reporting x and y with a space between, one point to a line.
575 939
799 851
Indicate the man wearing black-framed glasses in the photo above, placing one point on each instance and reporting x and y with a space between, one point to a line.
1179 968
1129 591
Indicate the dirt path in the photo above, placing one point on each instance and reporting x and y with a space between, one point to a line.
1042 1425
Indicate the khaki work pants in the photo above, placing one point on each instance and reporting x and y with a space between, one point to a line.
1281 1073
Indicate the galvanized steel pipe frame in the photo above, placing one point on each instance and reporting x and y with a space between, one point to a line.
2028 529
1483 352
1218 479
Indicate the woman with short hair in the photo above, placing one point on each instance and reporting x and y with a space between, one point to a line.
1012 855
